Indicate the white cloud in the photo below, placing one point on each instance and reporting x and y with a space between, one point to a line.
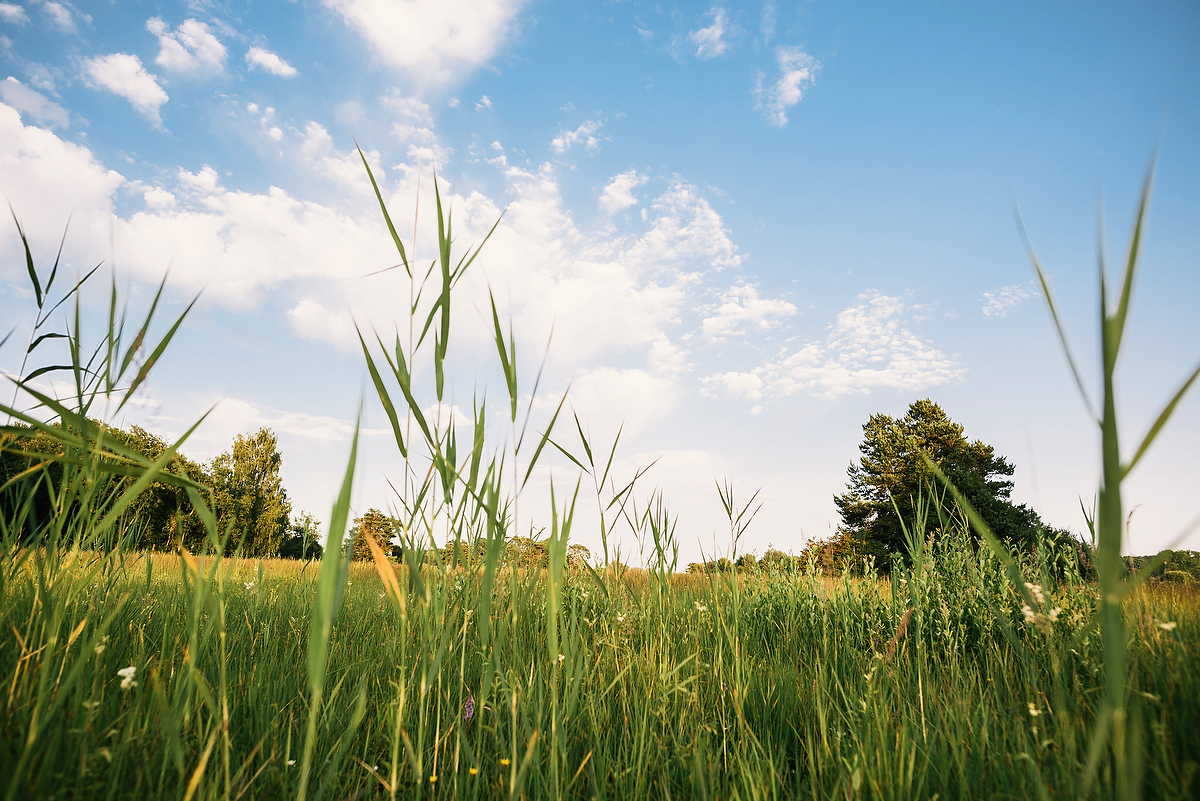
583 133
124 75
13 13
60 15
275 132
268 61
770 14
159 198
709 41
797 71
190 48
686 233
1007 299
868 348
452 102
618 194
497 146
741 305
484 104
31 103
433 41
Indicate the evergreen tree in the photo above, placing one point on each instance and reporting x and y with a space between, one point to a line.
891 470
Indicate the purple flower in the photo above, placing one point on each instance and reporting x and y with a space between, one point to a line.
469 709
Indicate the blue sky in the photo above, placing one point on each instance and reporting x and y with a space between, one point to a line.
749 225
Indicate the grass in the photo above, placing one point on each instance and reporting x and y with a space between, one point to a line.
973 672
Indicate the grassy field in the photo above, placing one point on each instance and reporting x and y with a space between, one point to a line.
973 671
778 685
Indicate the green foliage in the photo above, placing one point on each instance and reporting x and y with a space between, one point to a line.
303 540
248 494
887 483
373 524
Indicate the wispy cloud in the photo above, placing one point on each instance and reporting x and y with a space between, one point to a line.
269 62
13 14
868 348
741 307
60 16
123 75
797 71
564 140
1007 299
32 104
190 48
618 194
710 42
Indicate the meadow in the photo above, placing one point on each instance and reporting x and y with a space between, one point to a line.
968 670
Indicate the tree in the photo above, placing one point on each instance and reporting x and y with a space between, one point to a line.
892 471
373 524
249 496
303 538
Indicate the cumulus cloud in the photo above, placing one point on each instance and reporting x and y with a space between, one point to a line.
124 75
710 41
484 104
33 104
564 140
741 307
269 62
797 71
14 14
868 348
1007 299
618 194
60 16
433 41
190 48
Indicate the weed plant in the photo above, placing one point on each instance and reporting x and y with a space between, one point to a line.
970 673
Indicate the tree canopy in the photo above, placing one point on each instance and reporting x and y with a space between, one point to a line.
891 471
248 493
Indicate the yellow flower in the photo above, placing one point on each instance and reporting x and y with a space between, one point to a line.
432 779
504 763
474 771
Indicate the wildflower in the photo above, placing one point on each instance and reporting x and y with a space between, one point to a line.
1030 615
561 658
1054 613
469 708
700 607
127 675
585 595
620 618
1033 711
249 585
1168 626
504 763
1036 591
433 779
474 771
100 646
291 762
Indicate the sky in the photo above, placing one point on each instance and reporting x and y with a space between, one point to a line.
736 229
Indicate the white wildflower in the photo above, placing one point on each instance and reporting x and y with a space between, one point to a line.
1036 591
1054 613
700 607
1168 626
1030 615
561 658
1033 711
127 675
249 585
291 762
100 646
620 618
